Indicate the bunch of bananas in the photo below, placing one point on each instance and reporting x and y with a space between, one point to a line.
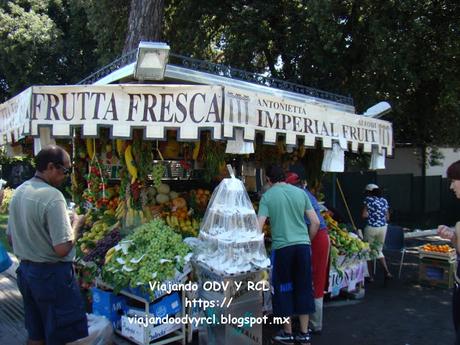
130 163
109 255
187 227
120 211
342 240
134 217
345 243
91 147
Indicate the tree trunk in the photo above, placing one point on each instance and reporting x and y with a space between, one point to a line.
145 22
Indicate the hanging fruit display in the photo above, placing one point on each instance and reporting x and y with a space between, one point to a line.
80 163
214 159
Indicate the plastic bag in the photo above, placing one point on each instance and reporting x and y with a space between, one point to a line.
100 332
232 241
5 260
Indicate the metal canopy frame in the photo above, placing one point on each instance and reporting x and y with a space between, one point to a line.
198 70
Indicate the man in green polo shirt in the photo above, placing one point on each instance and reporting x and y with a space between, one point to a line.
292 289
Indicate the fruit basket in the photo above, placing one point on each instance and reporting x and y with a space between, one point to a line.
440 252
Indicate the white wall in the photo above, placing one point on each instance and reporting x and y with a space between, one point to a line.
450 155
406 160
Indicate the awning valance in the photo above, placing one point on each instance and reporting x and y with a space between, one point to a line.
187 108
14 117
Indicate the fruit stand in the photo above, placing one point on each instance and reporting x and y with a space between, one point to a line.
437 265
348 257
147 156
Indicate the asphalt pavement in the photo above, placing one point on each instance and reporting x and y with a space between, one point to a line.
401 312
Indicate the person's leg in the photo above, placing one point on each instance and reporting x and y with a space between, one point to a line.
456 312
287 327
303 337
370 270
68 318
316 319
380 236
368 236
319 259
32 314
303 319
282 291
383 262
303 291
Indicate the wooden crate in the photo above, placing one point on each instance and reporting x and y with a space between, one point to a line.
435 272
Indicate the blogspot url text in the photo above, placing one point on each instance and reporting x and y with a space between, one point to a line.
228 319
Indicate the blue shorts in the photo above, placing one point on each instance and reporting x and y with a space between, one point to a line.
53 306
292 286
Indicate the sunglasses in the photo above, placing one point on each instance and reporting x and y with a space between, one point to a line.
65 170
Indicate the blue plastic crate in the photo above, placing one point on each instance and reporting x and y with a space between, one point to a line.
106 303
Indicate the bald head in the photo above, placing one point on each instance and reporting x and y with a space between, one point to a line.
51 154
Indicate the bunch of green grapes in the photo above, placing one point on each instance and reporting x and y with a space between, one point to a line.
158 172
156 253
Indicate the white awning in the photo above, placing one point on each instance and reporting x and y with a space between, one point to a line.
187 108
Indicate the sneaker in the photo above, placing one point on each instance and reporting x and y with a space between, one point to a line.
283 337
303 338
314 331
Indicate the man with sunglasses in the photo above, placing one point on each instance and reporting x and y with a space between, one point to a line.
43 239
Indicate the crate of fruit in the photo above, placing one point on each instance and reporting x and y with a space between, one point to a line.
436 251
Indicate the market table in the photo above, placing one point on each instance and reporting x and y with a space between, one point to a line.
353 271
420 233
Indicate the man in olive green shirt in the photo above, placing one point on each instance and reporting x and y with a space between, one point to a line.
292 289
43 239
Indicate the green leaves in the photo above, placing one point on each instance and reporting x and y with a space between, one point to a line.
42 42
404 52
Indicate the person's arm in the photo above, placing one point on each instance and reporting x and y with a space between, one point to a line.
314 223
365 213
452 234
8 233
262 220
61 231
62 249
263 214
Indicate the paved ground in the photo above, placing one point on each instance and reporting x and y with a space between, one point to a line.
11 310
401 313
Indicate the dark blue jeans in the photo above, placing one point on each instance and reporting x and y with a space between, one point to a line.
53 306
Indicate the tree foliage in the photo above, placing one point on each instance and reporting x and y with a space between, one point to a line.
405 52
43 42
108 24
